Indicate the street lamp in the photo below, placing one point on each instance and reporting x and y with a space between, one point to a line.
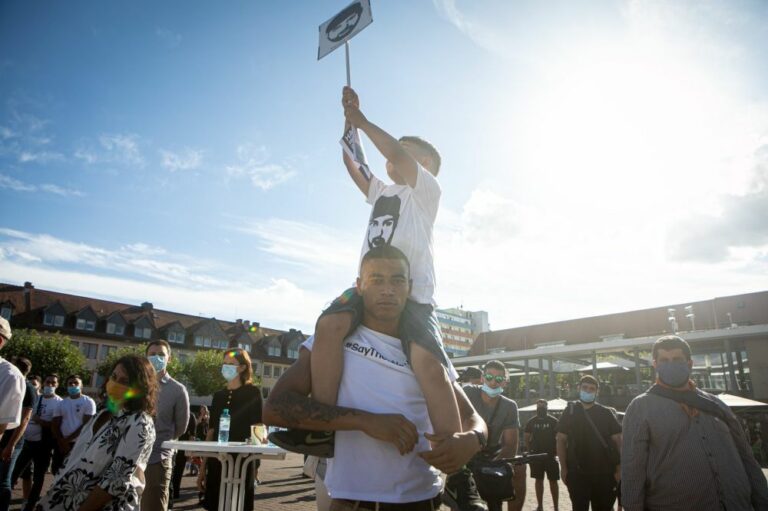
672 320
690 315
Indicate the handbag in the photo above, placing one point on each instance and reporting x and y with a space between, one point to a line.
613 453
493 477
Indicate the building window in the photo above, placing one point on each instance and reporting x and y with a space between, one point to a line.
293 351
85 324
5 312
273 350
144 333
277 372
114 328
267 371
89 350
53 320
105 351
176 337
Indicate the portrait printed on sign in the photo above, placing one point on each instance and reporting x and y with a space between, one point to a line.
383 222
344 23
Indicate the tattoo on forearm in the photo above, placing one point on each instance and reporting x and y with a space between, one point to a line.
294 409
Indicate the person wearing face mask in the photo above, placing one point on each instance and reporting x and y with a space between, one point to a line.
39 442
170 423
588 446
107 467
540 438
501 416
68 420
684 448
243 401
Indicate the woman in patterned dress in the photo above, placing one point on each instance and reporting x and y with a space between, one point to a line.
109 473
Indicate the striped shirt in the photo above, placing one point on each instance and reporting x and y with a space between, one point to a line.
673 461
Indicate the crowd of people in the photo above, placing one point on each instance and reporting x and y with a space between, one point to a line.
107 453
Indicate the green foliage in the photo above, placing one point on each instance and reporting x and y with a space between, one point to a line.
203 372
175 367
49 353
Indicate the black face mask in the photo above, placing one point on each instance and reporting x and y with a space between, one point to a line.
541 412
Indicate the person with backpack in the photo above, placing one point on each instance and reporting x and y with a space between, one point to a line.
683 448
589 446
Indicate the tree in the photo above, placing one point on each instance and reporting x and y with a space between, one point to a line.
49 353
175 367
203 372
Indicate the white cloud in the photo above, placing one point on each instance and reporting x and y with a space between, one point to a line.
40 156
112 148
24 137
253 164
19 186
187 159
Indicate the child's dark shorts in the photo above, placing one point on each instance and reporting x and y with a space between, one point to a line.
418 323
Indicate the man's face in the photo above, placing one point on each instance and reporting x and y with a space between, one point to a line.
384 285
51 381
675 355
380 230
588 387
496 375
159 350
344 28
35 384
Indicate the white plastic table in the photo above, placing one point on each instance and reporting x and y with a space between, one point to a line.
233 467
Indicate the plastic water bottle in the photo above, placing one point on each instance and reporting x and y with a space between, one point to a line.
224 426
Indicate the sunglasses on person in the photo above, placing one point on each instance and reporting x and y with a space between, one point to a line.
491 377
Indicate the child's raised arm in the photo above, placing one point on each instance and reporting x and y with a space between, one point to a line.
402 162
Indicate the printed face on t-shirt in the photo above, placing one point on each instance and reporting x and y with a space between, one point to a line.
380 231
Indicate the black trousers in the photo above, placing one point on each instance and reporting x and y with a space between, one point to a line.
179 461
39 454
597 489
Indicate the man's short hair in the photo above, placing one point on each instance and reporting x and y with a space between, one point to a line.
23 364
671 342
386 252
541 401
495 364
52 375
73 377
588 378
427 148
158 342
36 378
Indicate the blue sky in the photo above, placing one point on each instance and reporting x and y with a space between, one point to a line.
598 156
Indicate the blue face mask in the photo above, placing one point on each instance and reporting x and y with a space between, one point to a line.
73 390
674 374
587 397
159 362
229 372
492 392
48 391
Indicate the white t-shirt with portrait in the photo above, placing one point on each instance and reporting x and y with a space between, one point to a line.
405 217
377 378
72 411
46 410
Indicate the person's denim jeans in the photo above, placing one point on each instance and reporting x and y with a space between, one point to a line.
6 469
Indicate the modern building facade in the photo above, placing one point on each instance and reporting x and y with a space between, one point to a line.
460 328
728 336
99 327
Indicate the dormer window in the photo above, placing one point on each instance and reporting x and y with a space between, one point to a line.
6 311
176 337
85 324
51 319
273 350
114 328
143 333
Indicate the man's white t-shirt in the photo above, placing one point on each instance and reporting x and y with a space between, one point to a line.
72 411
377 378
46 411
404 217
12 389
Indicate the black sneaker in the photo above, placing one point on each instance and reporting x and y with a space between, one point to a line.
314 443
461 492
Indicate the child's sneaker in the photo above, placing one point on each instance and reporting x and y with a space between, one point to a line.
313 443
461 492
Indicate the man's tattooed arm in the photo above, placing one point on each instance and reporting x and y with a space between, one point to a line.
296 411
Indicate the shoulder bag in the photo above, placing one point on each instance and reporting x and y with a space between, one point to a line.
493 477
